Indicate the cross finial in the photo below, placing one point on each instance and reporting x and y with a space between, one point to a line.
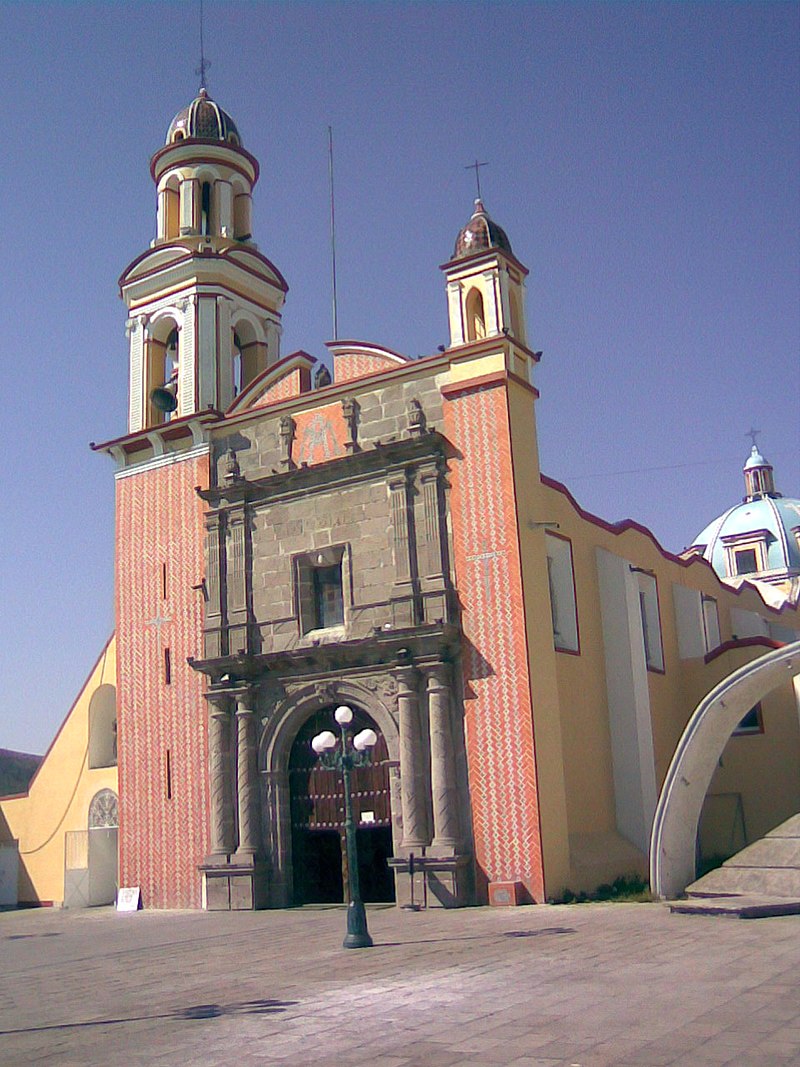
476 167
753 434
204 63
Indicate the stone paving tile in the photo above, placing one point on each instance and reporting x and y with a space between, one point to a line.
448 989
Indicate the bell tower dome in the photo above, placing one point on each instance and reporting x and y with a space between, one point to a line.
204 304
485 283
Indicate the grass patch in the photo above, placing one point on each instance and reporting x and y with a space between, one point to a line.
627 889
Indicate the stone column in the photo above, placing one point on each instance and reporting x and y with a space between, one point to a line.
446 834
412 795
247 773
190 209
219 729
224 192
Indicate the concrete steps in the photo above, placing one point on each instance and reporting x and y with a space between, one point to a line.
763 879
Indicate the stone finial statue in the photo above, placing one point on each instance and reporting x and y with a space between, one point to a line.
417 423
322 377
286 430
231 472
350 410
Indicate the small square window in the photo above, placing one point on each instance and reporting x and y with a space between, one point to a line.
746 561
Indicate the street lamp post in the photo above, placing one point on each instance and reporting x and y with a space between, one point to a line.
343 760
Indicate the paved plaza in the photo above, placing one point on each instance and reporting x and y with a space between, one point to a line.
588 985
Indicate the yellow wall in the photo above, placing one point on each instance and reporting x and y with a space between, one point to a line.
59 796
547 722
761 767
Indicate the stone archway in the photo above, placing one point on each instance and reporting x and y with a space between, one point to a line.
319 849
282 727
672 842
103 845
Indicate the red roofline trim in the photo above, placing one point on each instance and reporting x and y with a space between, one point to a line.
618 528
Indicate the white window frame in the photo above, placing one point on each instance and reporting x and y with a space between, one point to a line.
711 631
563 594
650 615
755 541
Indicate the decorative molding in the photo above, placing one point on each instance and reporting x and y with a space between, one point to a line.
168 459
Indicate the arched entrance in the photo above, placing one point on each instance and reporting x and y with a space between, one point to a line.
672 842
103 823
317 818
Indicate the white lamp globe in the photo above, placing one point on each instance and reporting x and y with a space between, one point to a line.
365 739
323 741
343 715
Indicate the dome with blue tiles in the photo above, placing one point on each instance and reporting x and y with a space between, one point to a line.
758 538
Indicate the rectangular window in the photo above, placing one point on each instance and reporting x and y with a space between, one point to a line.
746 561
328 598
319 589
711 623
167 667
651 621
561 579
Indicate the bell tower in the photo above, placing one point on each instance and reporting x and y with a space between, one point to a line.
204 304
485 284
204 319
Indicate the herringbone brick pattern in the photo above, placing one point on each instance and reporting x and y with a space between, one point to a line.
498 715
349 366
283 389
161 725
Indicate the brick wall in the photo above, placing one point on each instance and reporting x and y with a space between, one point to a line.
497 707
162 838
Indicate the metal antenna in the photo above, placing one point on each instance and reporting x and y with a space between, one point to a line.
333 235
753 434
475 166
204 63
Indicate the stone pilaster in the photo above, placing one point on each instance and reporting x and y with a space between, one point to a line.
403 595
433 579
236 578
444 788
247 773
412 793
220 793
214 615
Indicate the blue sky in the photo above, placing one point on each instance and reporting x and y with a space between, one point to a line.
643 159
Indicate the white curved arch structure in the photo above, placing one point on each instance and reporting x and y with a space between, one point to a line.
672 841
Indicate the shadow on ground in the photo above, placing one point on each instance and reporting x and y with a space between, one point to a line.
195 1012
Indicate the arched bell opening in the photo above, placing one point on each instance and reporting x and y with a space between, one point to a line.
248 354
162 372
476 318
242 211
515 308
317 811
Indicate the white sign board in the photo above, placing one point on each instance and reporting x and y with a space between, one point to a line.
128 898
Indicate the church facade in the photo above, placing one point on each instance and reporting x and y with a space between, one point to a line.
290 539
